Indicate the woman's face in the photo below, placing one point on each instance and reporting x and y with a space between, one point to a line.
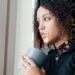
48 25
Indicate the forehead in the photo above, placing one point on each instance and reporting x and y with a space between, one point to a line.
43 11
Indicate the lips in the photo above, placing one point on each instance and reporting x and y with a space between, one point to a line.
43 35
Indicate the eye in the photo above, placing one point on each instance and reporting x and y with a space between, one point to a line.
46 18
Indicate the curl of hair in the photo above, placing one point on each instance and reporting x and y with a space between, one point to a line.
62 9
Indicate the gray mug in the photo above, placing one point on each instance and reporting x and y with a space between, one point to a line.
37 55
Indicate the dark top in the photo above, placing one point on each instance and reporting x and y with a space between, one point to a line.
61 61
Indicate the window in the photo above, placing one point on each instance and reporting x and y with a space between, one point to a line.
23 30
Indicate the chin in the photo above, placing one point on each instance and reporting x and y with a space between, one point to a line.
47 41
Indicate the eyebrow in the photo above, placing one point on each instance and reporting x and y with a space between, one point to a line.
43 15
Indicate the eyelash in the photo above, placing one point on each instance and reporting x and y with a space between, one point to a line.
44 19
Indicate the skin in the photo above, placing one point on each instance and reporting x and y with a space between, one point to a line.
48 25
29 67
50 31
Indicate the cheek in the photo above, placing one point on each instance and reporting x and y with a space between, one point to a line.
52 27
53 31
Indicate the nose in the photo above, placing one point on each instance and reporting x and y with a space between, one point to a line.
41 26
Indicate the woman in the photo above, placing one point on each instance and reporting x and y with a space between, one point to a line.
53 26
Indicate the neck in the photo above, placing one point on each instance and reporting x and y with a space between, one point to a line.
60 41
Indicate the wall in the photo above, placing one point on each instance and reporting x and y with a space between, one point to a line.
3 14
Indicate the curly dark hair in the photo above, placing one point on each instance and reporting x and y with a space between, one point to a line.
62 9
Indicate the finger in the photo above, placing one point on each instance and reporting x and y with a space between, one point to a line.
26 61
30 61
26 65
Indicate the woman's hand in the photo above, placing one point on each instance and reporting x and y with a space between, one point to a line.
30 67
